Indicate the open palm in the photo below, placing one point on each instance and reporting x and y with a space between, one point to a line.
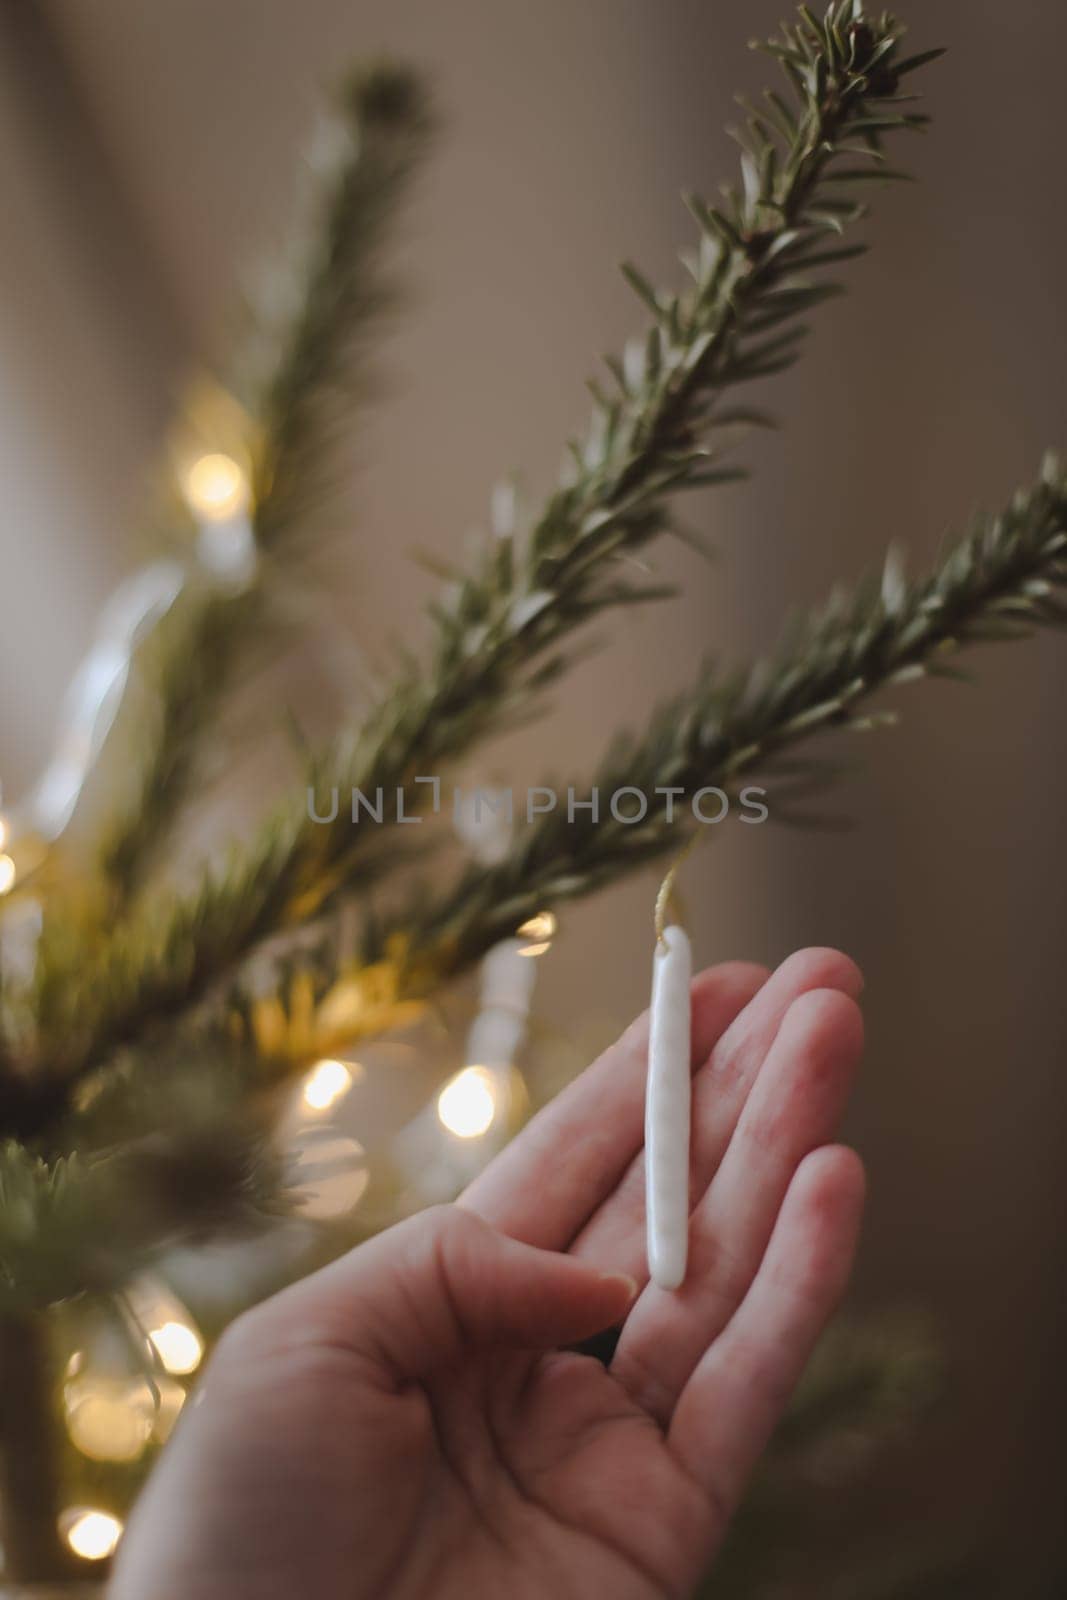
408 1423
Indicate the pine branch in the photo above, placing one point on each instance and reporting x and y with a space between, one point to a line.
318 360
86 1224
315 362
185 671
498 635
499 631
1005 578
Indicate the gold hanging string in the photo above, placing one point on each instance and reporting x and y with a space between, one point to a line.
669 895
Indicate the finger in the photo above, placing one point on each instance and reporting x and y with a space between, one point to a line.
738 1392
419 1296
615 1234
545 1186
794 1107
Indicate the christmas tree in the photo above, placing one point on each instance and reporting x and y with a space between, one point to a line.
152 1037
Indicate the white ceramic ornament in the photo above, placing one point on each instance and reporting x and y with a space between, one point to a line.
667 1109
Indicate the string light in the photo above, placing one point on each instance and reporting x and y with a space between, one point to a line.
178 1346
160 1317
8 875
541 927
93 1535
109 1419
216 487
96 691
466 1105
326 1083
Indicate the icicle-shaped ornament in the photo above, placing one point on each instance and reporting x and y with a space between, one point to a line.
667 1110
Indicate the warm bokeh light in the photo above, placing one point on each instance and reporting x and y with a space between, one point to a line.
178 1346
109 1419
7 875
4 832
541 927
325 1084
92 1535
466 1106
216 487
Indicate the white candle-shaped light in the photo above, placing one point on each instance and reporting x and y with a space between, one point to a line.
667 1110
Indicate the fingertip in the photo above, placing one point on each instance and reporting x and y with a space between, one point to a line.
822 967
825 1206
826 1018
832 1182
730 974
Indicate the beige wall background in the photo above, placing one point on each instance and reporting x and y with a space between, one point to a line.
146 157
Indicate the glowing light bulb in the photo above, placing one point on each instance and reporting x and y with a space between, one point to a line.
4 832
466 1106
325 1084
7 875
109 1419
541 927
91 1534
178 1346
216 487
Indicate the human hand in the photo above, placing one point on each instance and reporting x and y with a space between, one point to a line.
404 1423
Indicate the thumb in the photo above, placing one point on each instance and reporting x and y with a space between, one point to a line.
425 1293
